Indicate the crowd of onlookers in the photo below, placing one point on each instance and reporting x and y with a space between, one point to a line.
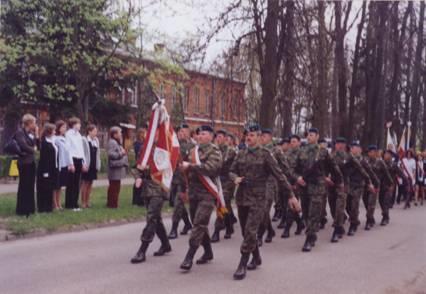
67 160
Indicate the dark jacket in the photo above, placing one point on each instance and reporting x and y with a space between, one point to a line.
47 170
27 145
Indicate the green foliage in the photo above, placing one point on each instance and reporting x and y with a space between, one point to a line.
61 51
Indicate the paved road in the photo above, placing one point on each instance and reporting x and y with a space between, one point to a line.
13 187
384 260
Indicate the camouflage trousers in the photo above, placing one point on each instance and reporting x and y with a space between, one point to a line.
201 206
385 198
179 210
154 223
354 197
337 198
312 208
370 201
250 218
266 223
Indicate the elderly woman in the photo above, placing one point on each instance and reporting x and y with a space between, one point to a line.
117 165
26 138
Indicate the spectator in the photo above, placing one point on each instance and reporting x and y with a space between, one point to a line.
74 143
408 164
48 169
64 162
92 154
419 180
117 165
26 139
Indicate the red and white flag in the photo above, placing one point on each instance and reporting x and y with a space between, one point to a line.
163 158
404 143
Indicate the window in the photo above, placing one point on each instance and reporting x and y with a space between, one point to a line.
197 100
174 96
185 98
208 101
222 105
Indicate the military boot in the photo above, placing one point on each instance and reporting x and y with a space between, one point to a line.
187 262
277 215
208 253
140 255
340 232
300 226
352 230
165 244
188 225
384 221
216 236
255 261
241 271
229 227
270 235
307 247
173 231
335 236
286 233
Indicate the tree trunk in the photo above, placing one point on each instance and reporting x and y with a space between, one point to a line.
416 76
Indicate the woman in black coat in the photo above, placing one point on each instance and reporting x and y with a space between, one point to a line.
47 171
26 138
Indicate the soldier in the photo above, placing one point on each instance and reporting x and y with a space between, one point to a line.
323 144
313 165
291 216
271 193
201 200
395 172
228 155
250 171
281 155
154 197
179 186
386 182
357 180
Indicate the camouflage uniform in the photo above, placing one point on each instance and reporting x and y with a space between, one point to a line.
380 169
356 179
201 201
154 197
228 156
314 164
370 198
395 171
271 193
291 158
179 186
255 165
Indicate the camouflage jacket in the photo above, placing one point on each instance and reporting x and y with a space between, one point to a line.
314 164
381 170
228 156
396 172
149 187
351 168
178 176
255 165
211 163
368 168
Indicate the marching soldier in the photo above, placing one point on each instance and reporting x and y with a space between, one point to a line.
291 216
179 186
358 180
250 171
313 165
386 182
154 197
228 221
205 164
271 193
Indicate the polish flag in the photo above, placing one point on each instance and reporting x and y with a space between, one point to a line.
162 158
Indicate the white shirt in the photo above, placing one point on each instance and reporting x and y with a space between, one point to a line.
74 143
409 168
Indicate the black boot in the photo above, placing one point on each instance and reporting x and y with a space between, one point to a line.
229 227
165 244
187 262
335 236
188 225
208 253
286 233
300 226
216 236
307 247
323 223
173 231
270 235
313 240
241 271
255 261
340 232
277 215
140 255
352 230
384 221
367 226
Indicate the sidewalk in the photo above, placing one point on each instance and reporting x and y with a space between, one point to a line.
13 188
